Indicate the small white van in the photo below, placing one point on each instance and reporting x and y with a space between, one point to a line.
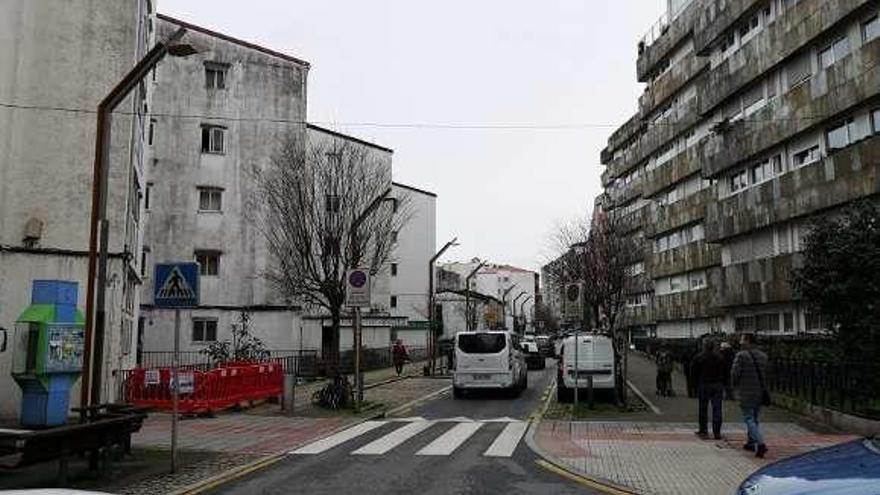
592 356
488 360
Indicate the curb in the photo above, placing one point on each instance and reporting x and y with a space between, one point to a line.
412 403
644 398
554 465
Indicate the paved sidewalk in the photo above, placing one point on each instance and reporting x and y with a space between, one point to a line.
659 454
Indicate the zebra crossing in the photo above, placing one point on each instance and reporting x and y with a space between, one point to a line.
453 433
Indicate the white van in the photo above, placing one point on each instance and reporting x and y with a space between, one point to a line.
595 357
488 360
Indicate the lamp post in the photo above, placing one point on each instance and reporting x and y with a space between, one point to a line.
467 295
93 345
522 312
355 259
432 335
504 304
515 299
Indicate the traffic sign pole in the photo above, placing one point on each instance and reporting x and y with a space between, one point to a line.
175 397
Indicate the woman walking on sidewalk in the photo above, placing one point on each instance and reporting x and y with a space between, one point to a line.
399 356
748 377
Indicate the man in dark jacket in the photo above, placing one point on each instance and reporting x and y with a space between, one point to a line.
399 356
708 371
728 353
749 380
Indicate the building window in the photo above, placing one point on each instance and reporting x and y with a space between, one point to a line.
788 319
332 203
215 75
394 235
761 172
148 195
210 199
814 322
204 330
833 52
393 269
799 71
698 280
876 119
739 181
841 136
152 132
209 263
871 28
145 257
806 156
393 301
213 139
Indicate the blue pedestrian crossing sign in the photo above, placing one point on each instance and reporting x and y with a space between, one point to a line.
177 285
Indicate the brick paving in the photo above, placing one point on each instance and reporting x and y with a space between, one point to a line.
659 454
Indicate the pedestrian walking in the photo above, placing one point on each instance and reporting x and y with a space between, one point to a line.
399 356
665 365
749 379
728 353
708 372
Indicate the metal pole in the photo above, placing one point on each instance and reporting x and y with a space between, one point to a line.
522 312
515 300
577 373
358 376
504 305
90 389
467 295
175 394
432 335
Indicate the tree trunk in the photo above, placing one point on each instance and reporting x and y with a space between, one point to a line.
333 358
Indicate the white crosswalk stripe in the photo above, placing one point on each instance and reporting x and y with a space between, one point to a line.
393 439
338 439
407 429
506 442
446 443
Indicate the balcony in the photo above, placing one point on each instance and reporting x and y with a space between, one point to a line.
680 213
764 281
668 84
683 165
625 194
716 18
686 305
655 136
663 37
829 94
687 258
803 23
636 316
635 125
848 174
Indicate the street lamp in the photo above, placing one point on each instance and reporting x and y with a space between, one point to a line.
90 391
522 312
355 258
432 335
515 299
504 304
467 294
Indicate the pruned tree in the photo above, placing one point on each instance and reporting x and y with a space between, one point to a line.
599 254
243 347
840 278
306 202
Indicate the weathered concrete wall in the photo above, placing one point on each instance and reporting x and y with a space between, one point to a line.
761 281
680 28
716 17
848 174
687 305
842 86
693 256
67 55
668 84
683 212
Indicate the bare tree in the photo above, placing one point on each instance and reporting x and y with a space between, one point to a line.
599 254
306 203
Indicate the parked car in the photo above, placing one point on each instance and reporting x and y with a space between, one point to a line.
488 360
534 359
583 357
545 345
851 468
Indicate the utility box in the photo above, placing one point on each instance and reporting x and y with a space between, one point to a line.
48 352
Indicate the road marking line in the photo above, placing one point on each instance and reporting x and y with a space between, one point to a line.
644 398
451 440
603 488
393 439
339 438
506 442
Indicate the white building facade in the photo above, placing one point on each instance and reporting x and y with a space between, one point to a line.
495 280
58 60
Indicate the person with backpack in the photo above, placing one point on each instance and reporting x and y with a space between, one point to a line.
748 377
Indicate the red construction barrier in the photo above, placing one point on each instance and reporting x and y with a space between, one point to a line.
212 390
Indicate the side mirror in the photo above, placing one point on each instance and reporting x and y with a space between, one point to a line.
3 338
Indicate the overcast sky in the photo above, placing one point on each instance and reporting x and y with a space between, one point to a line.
463 62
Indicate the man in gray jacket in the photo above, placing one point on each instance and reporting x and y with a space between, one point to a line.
749 378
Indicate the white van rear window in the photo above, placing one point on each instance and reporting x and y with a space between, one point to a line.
481 343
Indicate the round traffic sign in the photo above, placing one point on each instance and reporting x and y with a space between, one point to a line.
357 279
572 293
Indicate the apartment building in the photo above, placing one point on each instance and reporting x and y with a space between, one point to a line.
494 280
757 116
416 243
58 60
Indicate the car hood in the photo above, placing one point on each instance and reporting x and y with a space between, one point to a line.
851 468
